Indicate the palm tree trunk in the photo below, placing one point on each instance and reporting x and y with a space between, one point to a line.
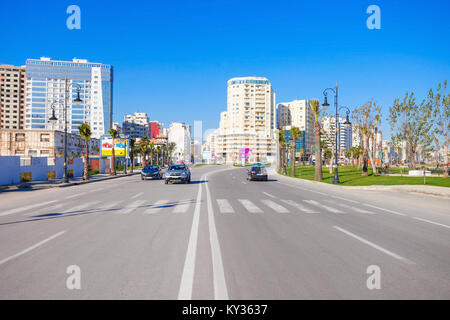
364 161
86 161
293 157
113 160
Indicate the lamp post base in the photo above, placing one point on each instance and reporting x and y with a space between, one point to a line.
336 177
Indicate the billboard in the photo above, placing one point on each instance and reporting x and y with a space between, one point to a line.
120 145
244 152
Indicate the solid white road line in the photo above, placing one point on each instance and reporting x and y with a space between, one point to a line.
269 195
187 278
275 206
356 209
349 200
250 206
315 203
75 195
299 206
158 206
133 206
5 213
390 253
32 247
182 206
436 223
137 195
220 286
224 206
387 210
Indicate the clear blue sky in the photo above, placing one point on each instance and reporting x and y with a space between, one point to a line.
172 58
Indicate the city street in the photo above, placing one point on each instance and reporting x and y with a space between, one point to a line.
222 237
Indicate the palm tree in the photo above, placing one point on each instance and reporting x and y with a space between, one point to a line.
143 146
132 154
281 142
295 132
158 150
314 104
114 134
86 133
170 148
152 148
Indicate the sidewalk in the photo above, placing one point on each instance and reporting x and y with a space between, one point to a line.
72 181
423 189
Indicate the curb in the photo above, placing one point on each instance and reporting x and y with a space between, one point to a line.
407 188
63 185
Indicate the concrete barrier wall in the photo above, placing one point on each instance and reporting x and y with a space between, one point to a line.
10 169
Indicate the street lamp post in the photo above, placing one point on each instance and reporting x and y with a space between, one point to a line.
326 104
53 118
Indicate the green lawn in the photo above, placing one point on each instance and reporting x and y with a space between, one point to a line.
351 176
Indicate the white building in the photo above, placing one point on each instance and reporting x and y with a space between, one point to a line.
298 114
116 126
249 121
50 82
136 125
180 134
344 134
211 144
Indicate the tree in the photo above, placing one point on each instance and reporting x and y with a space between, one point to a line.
281 146
133 151
114 134
363 119
314 105
438 105
143 146
86 133
409 122
152 149
170 148
328 142
295 133
158 150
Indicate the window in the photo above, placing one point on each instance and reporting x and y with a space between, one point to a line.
45 137
20 136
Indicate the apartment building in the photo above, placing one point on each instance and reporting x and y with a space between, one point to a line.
180 134
136 125
52 82
298 114
249 121
12 97
329 134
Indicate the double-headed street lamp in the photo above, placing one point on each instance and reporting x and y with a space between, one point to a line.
347 122
53 118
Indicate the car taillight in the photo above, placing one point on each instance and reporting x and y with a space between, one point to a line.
253 171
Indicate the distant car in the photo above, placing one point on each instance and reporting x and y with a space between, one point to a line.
257 173
178 172
151 172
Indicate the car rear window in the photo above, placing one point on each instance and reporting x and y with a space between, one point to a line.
178 167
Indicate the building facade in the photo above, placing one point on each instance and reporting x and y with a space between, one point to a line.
43 143
249 121
298 114
136 125
46 86
12 97
344 134
180 134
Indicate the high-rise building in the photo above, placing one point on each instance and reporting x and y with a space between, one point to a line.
249 121
298 114
344 134
136 125
47 82
12 97
180 134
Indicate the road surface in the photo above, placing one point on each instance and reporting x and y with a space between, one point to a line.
222 237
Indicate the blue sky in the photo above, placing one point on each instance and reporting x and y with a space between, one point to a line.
172 58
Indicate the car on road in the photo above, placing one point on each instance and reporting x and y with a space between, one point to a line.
178 172
151 172
257 173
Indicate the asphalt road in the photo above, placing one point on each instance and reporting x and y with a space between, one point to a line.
222 237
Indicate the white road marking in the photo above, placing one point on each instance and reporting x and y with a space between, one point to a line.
269 195
42 211
390 253
354 201
224 206
182 206
436 223
80 207
187 278
32 247
387 210
137 195
334 210
158 206
275 206
250 206
220 286
356 209
111 205
75 195
5 213
133 206
299 206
